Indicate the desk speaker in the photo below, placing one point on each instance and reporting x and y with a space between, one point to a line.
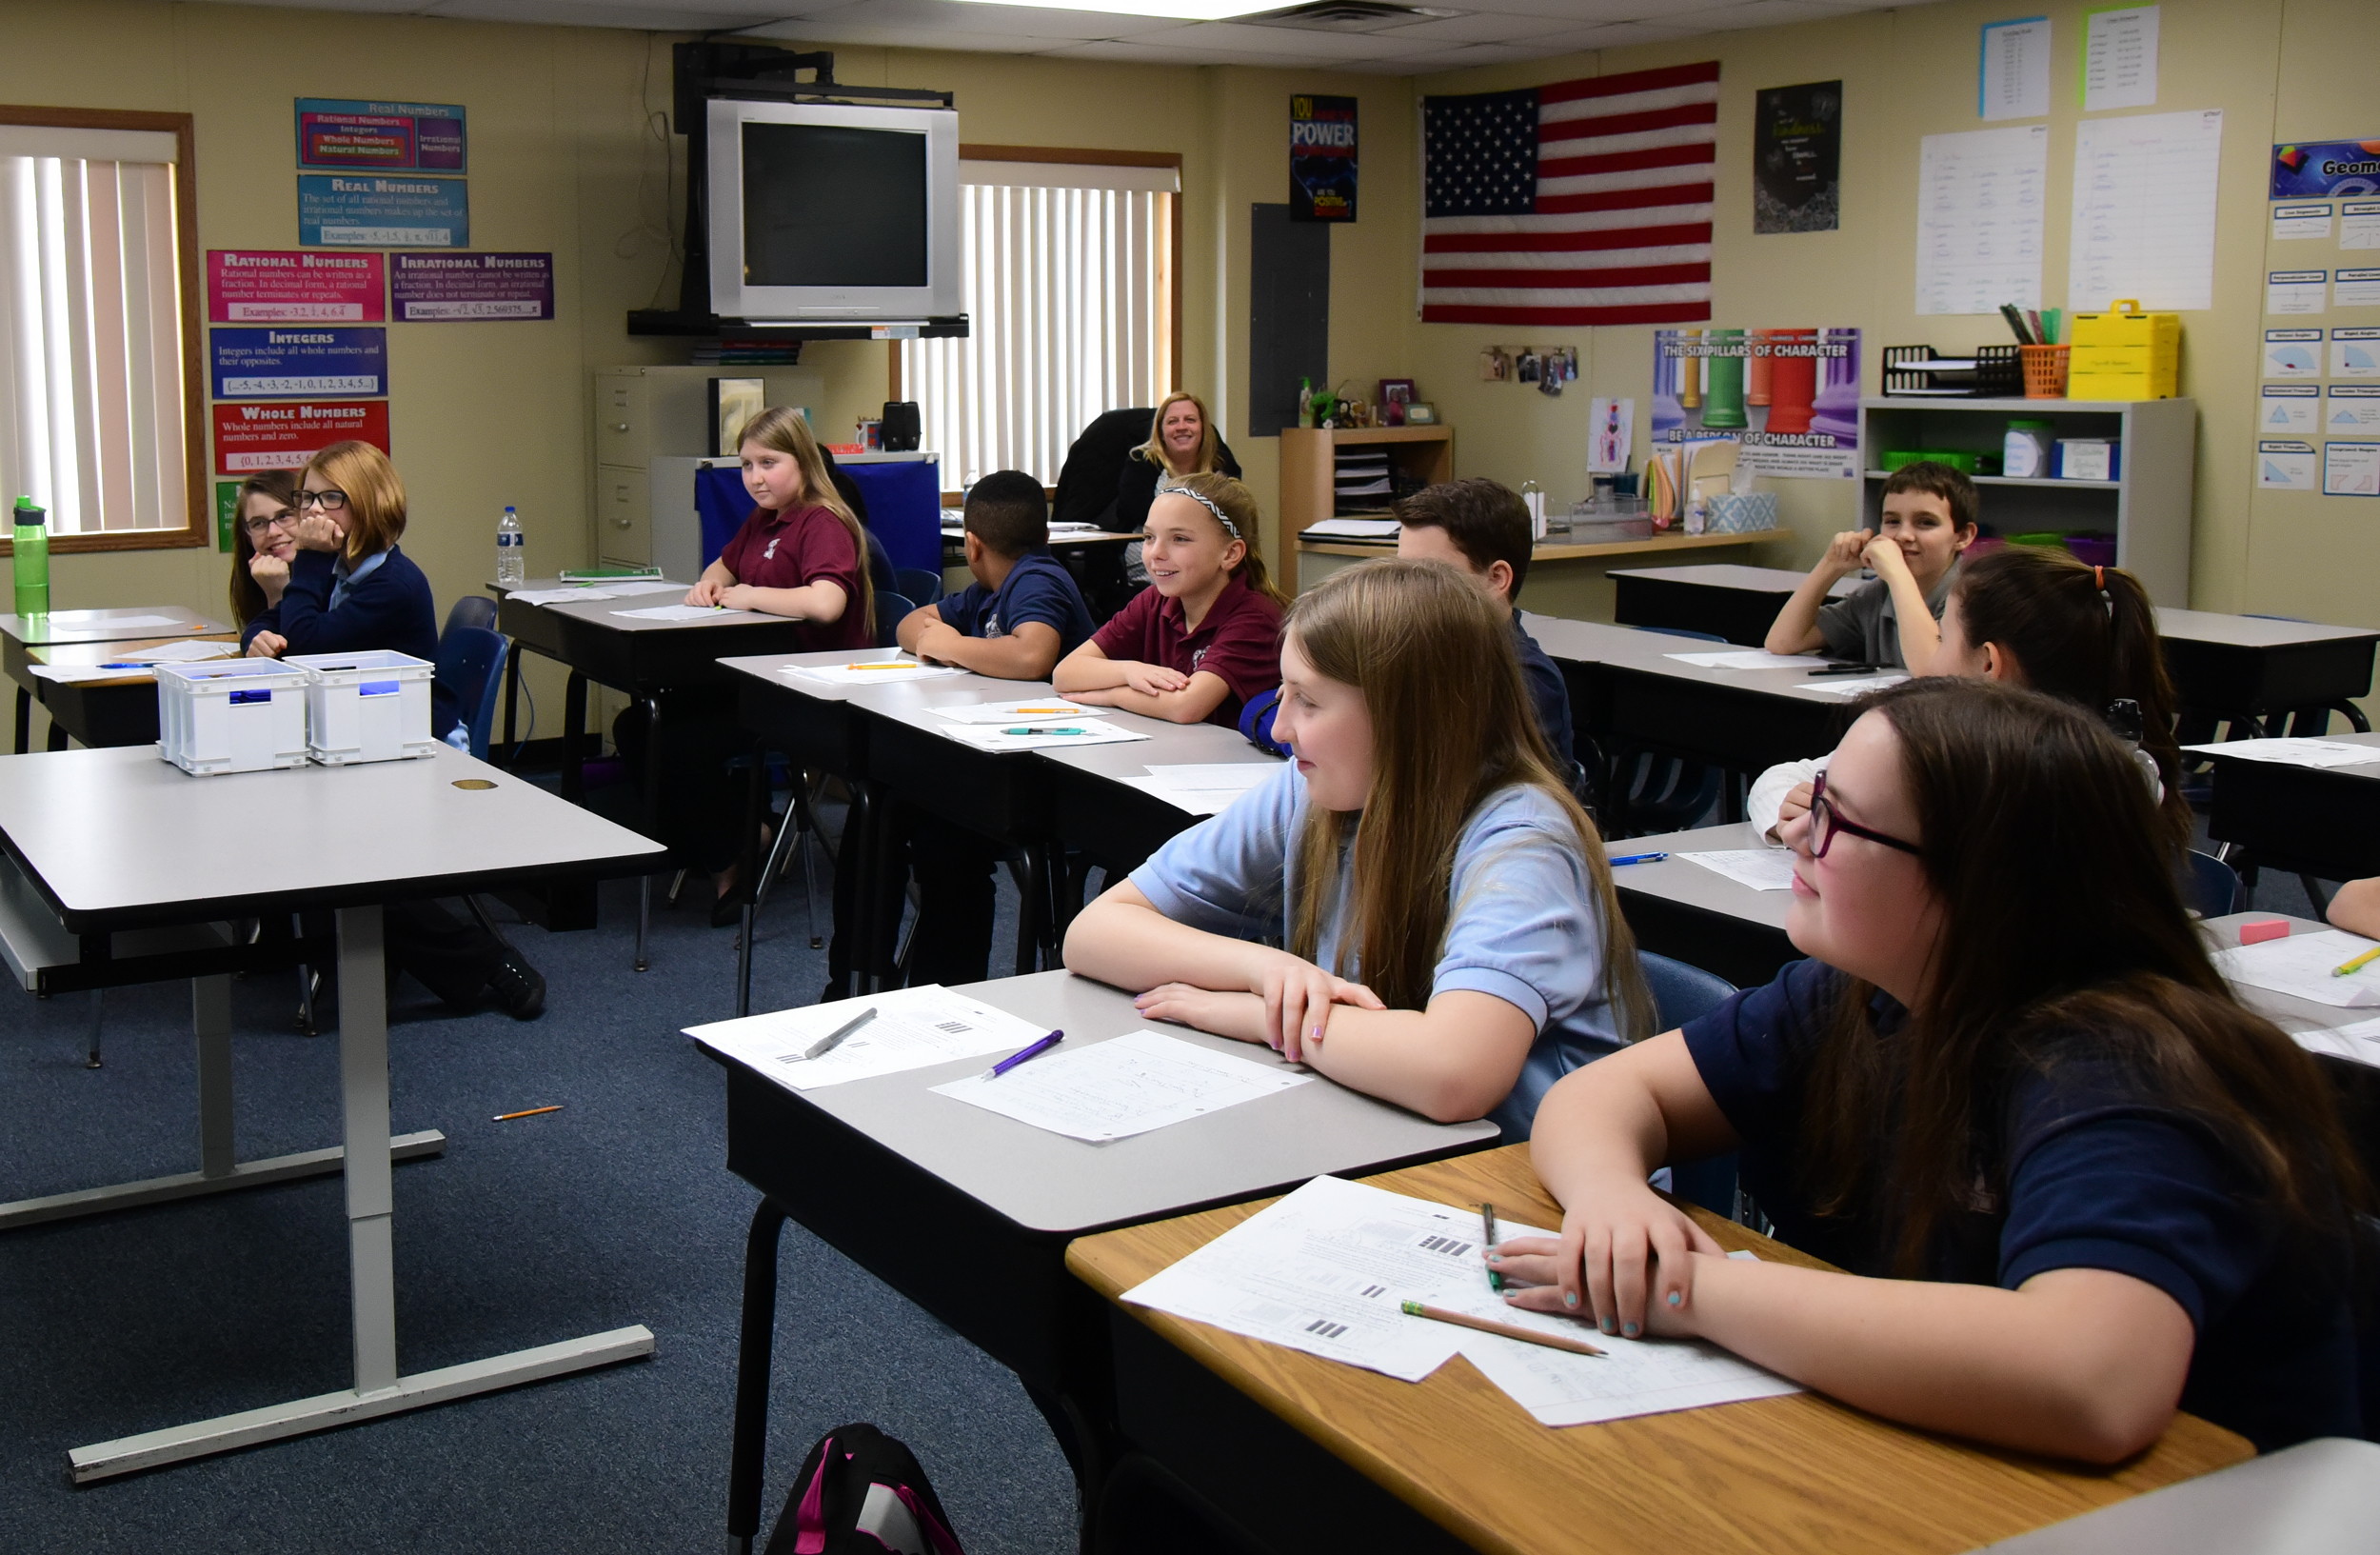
900 434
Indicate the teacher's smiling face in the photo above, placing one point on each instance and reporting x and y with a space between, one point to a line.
1182 430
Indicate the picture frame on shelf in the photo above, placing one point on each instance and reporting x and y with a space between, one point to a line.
1396 391
1421 413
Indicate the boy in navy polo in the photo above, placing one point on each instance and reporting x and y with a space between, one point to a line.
1014 622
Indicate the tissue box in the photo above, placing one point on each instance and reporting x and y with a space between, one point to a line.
245 716
1741 513
372 706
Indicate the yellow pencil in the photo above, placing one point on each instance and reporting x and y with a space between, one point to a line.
2358 964
507 1117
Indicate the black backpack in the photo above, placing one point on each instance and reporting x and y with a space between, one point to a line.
860 1492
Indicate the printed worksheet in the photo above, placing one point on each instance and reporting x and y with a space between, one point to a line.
561 596
1126 1086
678 613
1751 658
2294 751
2143 218
630 587
1849 688
2306 966
872 671
1049 708
2357 1044
1762 868
1203 787
913 1029
1037 736
1981 198
79 674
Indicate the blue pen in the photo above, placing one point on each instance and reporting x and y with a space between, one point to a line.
1023 731
1016 1058
1640 858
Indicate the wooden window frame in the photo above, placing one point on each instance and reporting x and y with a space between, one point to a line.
196 432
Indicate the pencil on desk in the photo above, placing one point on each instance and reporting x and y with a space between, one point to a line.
2358 964
1489 1326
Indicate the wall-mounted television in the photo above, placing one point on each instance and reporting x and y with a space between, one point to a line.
827 212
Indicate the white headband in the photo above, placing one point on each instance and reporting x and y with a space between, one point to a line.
1208 502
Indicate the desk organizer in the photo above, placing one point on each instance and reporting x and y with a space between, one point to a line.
372 706
246 716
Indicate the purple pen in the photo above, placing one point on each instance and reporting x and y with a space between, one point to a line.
1022 1054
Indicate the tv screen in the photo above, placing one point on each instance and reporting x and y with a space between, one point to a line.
833 206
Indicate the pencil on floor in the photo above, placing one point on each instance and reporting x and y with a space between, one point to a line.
531 1112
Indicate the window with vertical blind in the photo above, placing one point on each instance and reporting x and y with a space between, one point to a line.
99 390
1070 275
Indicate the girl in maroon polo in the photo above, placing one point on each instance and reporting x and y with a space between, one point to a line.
1205 636
801 553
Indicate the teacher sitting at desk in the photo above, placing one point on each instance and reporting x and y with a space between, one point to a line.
1182 442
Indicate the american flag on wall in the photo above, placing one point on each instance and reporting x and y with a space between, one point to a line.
1585 202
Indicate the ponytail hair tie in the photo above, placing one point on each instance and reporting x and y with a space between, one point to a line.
2099 578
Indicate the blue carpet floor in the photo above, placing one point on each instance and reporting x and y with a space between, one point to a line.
617 1211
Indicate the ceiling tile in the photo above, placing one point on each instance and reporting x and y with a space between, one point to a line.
1482 27
1293 43
1135 50
947 16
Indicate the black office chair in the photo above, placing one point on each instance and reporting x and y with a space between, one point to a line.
1649 793
1680 993
1086 482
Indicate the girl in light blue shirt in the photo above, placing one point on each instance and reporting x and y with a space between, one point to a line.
1451 942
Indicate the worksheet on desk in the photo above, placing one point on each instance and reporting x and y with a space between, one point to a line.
1324 1269
1125 1085
2293 751
678 612
2357 1044
2303 965
872 671
1762 868
1849 688
913 1029
1750 658
1049 708
1203 787
1081 731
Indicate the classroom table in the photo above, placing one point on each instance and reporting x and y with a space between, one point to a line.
1115 824
1738 602
19 634
1700 917
115 840
1303 1453
969 1213
641 657
2318 1497
2318 820
2357 1085
103 712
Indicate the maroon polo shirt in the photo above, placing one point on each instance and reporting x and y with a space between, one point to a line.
1238 641
795 548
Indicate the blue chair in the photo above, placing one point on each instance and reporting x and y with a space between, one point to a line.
471 666
472 611
919 584
891 610
2211 887
1680 993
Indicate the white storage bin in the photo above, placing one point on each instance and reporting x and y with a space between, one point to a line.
245 716
372 706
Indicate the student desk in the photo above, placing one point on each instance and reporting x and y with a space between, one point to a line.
1116 824
2357 1085
1694 915
969 1213
1310 1454
20 633
1736 603
103 713
2318 1497
2252 668
114 841
2318 820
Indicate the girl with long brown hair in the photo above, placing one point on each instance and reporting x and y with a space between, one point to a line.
2073 1182
264 541
1451 940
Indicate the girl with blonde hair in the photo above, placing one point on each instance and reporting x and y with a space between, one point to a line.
1453 944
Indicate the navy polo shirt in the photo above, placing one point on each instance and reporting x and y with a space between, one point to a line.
2084 1168
1548 692
1039 588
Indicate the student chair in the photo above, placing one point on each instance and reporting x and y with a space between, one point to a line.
891 610
1651 792
2211 887
1680 993
471 666
471 610
919 584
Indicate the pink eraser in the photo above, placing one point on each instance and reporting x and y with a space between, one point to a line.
2271 928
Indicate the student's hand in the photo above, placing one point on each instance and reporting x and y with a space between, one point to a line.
706 592
271 574
315 531
1298 997
934 642
267 644
1886 556
1153 679
1624 1257
1793 805
739 596
1845 553
1239 1016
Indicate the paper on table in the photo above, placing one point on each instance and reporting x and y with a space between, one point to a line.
2296 750
677 612
1851 687
559 596
1352 529
76 675
2301 965
1750 658
1189 801
2143 212
640 586
178 653
1762 868
1051 708
913 1029
1126 1086
872 672
987 737
2357 1044
1324 1269
82 620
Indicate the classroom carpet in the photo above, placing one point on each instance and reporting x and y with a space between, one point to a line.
618 1210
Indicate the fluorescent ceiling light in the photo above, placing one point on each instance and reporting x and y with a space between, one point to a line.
1186 11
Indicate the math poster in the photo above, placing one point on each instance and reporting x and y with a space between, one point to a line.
1321 158
2312 169
1798 158
283 285
1790 397
286 435
464 286
360 210
393 137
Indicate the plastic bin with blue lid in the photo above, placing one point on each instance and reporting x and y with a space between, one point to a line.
245 716
372 706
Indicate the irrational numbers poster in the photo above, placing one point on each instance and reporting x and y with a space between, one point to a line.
1321 158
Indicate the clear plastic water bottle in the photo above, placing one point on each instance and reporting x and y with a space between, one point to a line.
512 550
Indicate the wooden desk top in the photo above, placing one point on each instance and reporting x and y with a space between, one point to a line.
1562 550
1800 1473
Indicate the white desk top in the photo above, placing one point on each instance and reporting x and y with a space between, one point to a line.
2318 1497
1049 1182
128 839
1168 745
1763 580
1600 642
2348 738
105 626
2251 630
1691 884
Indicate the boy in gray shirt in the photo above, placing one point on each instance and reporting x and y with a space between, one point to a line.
1892 621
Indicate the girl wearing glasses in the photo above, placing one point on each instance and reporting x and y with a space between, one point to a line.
2070 1183
263 540
1451 939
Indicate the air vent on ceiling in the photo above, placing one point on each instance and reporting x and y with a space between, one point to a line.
1349 16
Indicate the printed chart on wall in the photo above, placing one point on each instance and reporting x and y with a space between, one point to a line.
1321 158
462 287
286 435
2315 436
395 137
1789 397
247 285
2144 211
1981 195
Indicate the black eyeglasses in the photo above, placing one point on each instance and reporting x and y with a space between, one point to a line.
1826 821
260 527
329 502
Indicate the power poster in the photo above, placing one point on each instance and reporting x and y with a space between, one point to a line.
1790 397
2311 170
388 137
1798 158
1321 158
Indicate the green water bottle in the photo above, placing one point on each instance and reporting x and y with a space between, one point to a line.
32 558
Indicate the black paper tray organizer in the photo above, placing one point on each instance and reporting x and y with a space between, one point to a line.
1922 373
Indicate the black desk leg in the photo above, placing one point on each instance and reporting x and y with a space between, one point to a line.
57 734
1033 913
859 855
652 823
24 720
574 739
747 863
748 1458
512 702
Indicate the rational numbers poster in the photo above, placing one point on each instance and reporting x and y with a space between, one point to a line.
1790 396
